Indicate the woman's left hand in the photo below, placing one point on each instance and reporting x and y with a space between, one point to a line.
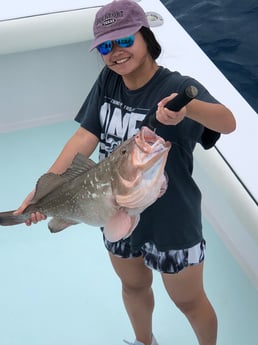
169 117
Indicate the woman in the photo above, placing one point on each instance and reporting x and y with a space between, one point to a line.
169 236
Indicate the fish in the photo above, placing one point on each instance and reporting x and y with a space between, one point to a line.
110 194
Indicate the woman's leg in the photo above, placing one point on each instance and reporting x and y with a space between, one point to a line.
186 290
137 294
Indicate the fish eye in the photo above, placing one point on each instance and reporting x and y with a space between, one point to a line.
123 151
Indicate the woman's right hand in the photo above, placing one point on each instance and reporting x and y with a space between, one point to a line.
34 217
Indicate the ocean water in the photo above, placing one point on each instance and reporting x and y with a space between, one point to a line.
226 30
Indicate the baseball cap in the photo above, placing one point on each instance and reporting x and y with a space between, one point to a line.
118 19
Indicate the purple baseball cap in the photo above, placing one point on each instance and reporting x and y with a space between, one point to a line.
118 19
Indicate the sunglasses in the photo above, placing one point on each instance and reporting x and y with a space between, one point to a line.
106 47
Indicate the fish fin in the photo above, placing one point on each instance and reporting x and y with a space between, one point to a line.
120 225
58 224
50 181
134 220
8 218
46 184
80 165
164 186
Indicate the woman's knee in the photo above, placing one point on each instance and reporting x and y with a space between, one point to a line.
196 305
136 287
132 284
134 275
186 288
187 306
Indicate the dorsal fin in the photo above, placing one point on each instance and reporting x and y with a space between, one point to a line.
80 165
46 184
50 181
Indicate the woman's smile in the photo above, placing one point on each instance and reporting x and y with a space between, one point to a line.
121 61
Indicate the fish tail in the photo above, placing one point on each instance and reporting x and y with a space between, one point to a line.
8 218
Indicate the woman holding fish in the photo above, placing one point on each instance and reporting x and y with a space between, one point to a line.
168 237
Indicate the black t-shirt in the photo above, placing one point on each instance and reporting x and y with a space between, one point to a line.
113 113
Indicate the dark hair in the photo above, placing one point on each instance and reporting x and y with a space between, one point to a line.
153 45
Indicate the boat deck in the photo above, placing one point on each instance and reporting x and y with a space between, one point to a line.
61 289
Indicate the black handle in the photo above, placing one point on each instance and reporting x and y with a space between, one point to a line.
189 93
182 99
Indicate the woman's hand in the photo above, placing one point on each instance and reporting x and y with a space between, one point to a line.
34 217
169 117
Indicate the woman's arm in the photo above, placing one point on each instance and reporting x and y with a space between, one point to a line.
211 115
82 141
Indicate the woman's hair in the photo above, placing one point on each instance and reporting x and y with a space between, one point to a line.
153 45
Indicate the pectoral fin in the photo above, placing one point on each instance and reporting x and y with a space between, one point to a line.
164 185
121 225
58 224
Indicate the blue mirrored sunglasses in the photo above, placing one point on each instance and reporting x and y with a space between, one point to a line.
106 47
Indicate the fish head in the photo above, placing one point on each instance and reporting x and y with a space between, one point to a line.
140 163
150 152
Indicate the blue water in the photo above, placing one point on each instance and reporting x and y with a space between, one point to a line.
226 30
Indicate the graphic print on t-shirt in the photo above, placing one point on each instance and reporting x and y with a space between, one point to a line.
118 122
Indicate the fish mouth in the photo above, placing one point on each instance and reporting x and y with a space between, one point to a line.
148 155
150 146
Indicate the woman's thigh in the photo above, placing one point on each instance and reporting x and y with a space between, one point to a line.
132 272
185 287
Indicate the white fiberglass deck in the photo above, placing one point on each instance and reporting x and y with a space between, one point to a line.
60 288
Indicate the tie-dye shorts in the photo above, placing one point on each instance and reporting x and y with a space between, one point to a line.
169 261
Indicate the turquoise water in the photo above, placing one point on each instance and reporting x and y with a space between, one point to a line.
60 288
